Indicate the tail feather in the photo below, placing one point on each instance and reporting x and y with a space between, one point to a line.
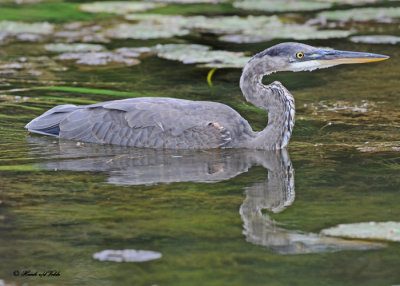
48 123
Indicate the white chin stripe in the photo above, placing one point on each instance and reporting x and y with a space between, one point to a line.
307 66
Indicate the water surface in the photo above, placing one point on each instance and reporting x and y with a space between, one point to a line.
218 217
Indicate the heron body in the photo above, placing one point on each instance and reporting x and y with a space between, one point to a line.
183 124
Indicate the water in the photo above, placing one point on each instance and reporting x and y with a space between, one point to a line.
217 217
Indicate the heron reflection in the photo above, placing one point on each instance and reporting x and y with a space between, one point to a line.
132 166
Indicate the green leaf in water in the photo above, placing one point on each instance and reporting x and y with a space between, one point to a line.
22 106
69 100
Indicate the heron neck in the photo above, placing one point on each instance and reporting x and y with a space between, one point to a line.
275 99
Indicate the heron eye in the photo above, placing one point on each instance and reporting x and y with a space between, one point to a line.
299 55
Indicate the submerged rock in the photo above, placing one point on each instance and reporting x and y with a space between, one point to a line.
127 255
118 7
366 230
376 39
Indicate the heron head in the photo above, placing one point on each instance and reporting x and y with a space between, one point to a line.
301 57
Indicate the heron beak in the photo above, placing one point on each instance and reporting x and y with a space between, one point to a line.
333 57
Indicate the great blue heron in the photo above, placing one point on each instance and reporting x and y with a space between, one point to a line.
184 124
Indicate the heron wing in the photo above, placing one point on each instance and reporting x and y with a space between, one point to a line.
146 122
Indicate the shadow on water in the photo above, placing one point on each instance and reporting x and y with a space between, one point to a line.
133 166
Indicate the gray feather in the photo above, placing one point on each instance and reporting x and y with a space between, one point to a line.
148 122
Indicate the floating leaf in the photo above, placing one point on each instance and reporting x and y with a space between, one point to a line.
81 32
98 58
118 7
134 52
376 39
187 1
144 31
20 27
362 14
190 54
232 28
366 230
127 255
279 6
350 2
33 66
79 47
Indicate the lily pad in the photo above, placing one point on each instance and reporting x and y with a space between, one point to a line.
148 30
79 47
32 66
366 230
362 14
231 28
376 39
187 1
118 7
350 2
98 58
127 255
190 54
134 52
10 27
280 6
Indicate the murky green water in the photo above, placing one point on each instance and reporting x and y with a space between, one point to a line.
218 217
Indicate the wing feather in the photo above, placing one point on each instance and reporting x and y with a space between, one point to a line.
149 122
